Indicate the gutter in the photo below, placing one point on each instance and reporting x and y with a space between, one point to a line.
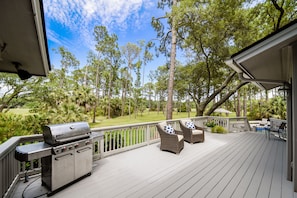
266 81
244 75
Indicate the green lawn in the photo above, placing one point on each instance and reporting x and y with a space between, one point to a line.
102 121
20 111
145 117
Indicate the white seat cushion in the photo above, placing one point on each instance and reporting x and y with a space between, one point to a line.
180 137
195 132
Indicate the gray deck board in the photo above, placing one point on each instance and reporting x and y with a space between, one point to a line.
255 182
225 164
188 176
237 186
276 183
229 165
229 181
263 190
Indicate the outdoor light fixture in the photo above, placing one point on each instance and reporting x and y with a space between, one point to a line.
23 74
285 89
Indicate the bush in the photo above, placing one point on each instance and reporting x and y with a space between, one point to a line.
218 129
275 107
16 125
182 107
211 124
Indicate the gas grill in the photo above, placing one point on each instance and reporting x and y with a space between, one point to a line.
66 154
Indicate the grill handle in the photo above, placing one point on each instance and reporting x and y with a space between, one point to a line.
83 150
58 158
62 140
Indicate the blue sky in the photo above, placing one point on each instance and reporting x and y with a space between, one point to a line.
70 23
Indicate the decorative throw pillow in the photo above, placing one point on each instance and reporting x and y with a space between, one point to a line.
190 125
169 129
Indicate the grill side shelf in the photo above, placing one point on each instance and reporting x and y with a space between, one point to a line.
32 151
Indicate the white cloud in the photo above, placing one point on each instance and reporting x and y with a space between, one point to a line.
81 16
56 38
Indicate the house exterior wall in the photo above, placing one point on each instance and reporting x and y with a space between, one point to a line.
289 149
294 116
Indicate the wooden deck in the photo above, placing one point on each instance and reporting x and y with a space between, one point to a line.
236 165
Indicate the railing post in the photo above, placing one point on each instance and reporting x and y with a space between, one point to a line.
148 134
228 124
101 146
248 124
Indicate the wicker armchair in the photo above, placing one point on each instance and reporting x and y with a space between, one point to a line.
192 135
170 142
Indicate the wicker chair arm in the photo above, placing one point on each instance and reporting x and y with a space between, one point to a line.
178 132
199 128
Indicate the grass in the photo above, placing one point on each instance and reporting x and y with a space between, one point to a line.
20 111
145 117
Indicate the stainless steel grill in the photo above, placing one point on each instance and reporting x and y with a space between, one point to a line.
66 154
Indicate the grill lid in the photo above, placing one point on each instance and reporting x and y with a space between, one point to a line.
63 133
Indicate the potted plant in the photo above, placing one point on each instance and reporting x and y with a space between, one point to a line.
210 124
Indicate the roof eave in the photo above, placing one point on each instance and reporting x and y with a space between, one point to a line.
248 60
37 6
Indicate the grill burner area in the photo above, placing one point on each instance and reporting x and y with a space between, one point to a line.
66 154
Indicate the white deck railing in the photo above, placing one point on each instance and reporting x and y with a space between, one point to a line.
275 123
113 140
126 137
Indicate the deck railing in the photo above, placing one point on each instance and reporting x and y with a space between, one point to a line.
275 123
113 140
126 137
10 168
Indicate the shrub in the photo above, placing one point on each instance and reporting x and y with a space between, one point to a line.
183 107
211 124
16 125
218 129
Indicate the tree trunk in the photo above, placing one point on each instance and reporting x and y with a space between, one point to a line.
188 108
238 106
172 66
86 77
109 97
123 99
94 112
266 95
223 99
5 104
244 103
281 13
200 106
97 93
129 90
199 111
